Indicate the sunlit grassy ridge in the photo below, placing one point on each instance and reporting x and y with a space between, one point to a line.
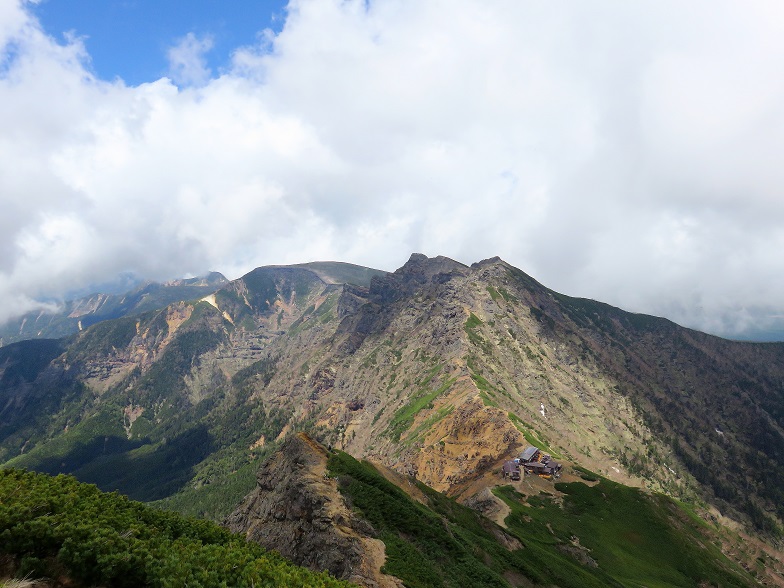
58 527
640 539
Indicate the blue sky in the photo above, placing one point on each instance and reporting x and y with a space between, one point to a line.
131 38
627 152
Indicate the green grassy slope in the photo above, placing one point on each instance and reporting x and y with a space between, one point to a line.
639 539
602 535
63 529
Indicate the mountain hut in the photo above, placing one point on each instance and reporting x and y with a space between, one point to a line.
511 470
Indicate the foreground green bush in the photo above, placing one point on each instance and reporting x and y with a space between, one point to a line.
57 526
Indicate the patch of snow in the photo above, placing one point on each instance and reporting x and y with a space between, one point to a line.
541 409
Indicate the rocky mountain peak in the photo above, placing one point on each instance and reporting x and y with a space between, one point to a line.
418 272
427 267
488 261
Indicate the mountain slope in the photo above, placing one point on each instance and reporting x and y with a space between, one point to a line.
579 534
442 370
438 370
137 403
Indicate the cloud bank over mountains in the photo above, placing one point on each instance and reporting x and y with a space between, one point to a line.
627 152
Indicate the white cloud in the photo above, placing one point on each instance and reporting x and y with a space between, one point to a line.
187 64
625 152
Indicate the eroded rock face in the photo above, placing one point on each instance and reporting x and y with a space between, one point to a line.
468 442
299 512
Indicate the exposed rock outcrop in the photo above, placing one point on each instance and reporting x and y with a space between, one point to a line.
465 444
298 511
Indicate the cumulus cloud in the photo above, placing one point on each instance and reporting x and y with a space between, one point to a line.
624 152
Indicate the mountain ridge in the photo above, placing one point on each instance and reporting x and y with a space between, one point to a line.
75 315
439 370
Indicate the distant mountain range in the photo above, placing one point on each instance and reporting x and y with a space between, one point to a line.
438 370
76 315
